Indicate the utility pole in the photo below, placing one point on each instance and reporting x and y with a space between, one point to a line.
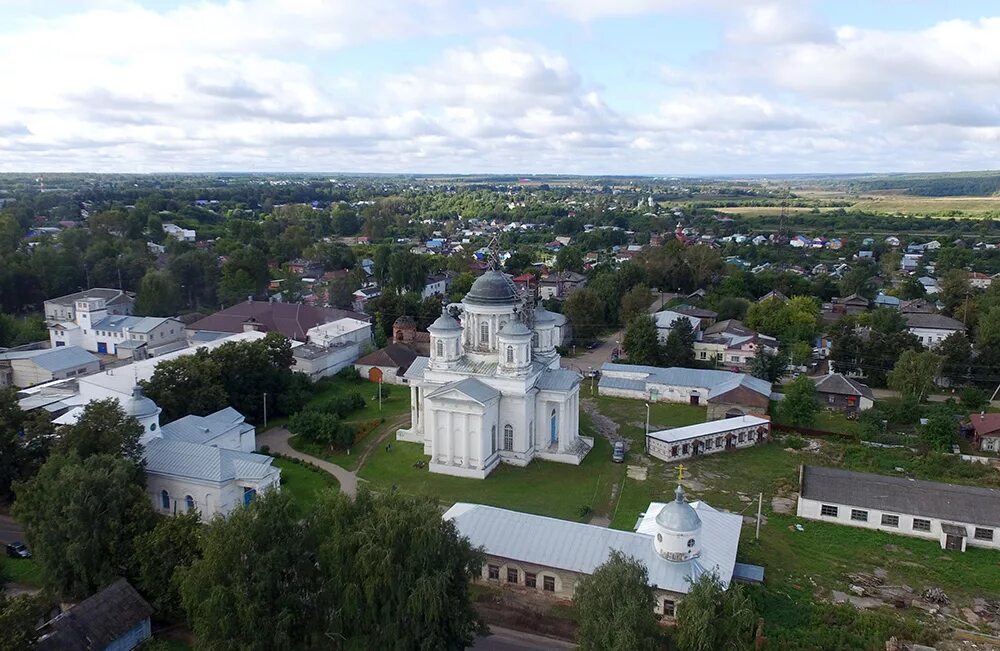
647 429
760 503
265 410
380 395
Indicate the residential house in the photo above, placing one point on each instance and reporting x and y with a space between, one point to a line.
837 392
986 431
363 295
117 619
979 280
437 284
305 268
773 294
30 367
180 234
887 300
951 514
665 320
930 284
731 344
853 304
559 285
917 306
932 329
910 262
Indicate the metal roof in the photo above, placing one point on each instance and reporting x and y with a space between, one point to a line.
109 295
582 548
933 321
715 382
471 387
558 380
202 429
841 385
142 324
707 429
54 359
954 502
492 288
197 461
97 621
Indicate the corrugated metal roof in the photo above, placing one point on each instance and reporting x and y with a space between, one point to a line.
417 368
707 429
202 429
197 461
471 387
621 383
715 382
54 359
928 499
558 380
583 547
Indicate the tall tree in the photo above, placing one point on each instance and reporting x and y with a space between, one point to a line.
678 349
19 620
635 302
103 428
956 354
25 440
190 384
956 294
938 434
584 309
712 617
158 295
615 606
914 373
768 366
174 542
642 342
799 406
569 258
82 517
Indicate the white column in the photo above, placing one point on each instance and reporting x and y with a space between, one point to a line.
449 438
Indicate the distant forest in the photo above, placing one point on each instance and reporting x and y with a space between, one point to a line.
961 184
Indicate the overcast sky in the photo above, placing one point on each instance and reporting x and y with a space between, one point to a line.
524 86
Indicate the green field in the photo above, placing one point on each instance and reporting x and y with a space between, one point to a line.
303 482
22 571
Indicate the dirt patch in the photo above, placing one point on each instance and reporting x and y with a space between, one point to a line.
604 425
637 473
784 505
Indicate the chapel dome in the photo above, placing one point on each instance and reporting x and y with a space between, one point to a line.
445 322
492 288
678 515
544 316
514 328
139 405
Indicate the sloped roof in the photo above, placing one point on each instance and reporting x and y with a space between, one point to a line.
716 382
929 499
54 359
393 355
842 385
198 461
141 324
985 423
705 429
470 387
558 380
202 429
290 319
582 548
97 621
109 295
730 326
933 321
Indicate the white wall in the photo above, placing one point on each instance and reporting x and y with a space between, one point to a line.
209 498
930 337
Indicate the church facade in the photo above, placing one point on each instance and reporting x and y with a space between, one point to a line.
492 390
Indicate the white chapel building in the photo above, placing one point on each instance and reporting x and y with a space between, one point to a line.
492 390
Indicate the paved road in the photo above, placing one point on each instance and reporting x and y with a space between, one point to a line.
277 440
10 530
505 639
593 359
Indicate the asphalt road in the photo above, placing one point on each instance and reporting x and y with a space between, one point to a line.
505 639
10 530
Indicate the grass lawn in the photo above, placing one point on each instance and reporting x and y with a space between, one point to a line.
543 487
397 402
24 571
630 415
304 482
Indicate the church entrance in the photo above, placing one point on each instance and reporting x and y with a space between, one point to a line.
553 428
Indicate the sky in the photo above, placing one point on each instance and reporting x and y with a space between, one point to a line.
653 87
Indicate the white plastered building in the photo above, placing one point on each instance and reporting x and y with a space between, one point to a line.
492 390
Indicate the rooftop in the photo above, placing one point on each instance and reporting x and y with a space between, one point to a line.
54 359
707 429
393 355
842 385
933 321
199 461
97 621
108 294
290 319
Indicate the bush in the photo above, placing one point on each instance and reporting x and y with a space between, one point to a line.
321 428
794 442
343 405
348 373
973 398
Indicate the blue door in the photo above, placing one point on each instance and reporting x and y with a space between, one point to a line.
554 429
248 495
102 347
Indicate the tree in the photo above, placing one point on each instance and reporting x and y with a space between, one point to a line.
82 517
860 280
711 617
956 358
642 342
158 295
615 606
955 292
732 307
790 321
911 289
635 302
584 309
939 433
460 286
25 440
678 349
768 366
569 258
190 384
103 428
236 286
888 337
174 542
255 567
19 620
914 373
799 406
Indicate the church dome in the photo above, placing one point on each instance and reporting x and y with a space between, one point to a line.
678 515
543 316
492 288
515 328
139 405
445 322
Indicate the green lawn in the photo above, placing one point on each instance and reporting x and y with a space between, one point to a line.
304 482
631 416
23 571
543 487
397 402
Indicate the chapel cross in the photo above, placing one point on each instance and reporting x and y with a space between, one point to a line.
680 472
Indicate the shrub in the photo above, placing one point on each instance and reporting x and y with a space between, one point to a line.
321 428
348 373
342 405
794 442
973 398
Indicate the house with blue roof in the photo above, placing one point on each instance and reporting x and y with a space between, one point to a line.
26 368
95 327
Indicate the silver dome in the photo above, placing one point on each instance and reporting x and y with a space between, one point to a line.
514 328
544 316
678 515
445 322
492 288
139 405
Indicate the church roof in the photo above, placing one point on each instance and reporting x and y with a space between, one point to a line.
445 322
678 515
470 387
202 429
578 547
557 380
206 462
514 329
492 288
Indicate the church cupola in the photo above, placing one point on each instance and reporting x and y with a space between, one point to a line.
514 348
545 332
143 410
678 530
446 341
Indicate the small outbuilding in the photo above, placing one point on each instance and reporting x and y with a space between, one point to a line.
116 619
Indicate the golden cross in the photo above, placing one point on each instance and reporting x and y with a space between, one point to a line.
680 472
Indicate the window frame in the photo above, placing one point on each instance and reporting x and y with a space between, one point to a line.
859 515
829 510
492 572
889 520
508 438
669 608
530 580
548 580
925 525
988 534
513 571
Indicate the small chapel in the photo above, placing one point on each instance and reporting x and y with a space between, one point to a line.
492 390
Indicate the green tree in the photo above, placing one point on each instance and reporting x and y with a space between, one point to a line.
768 366
615 606
956 292
956 358
584 309
82 517
236 286
642 342
914 373
911 289
25 440
635 302
712 617
939 433
19 620
678 349
174 542
732 307
799 406
860 280
190 384
569 258
460 286
158 295
103 428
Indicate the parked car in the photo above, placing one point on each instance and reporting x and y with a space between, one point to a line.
618 454
594 344
18 550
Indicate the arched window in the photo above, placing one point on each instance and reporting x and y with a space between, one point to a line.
508 437
189 501
534 340
440 348
493 439
484 334
164 499
510 354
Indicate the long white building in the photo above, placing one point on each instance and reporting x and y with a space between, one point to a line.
708 438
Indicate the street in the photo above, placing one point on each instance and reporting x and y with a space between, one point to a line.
505 639
10 530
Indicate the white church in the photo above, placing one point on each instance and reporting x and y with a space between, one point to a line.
492 390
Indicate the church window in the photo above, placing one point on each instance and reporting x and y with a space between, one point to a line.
919 524
673 451
508 437
554 427
534 340
493 439
890 520
669 607
530 580
510 354
189 501
152 427
859 515
549 583
493 572
512 575
484 334
440 349
829 510
659 537
164 499
690 542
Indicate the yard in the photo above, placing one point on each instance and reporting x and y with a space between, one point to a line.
303 482
23 571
